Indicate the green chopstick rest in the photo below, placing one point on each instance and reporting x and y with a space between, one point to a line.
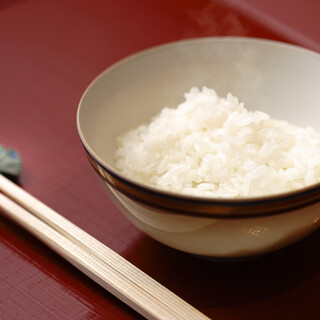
10 163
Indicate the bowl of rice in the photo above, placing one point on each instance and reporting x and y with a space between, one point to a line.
211 145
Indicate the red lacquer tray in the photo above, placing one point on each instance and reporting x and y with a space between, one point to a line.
49 52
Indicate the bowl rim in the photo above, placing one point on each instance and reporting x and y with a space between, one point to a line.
215 207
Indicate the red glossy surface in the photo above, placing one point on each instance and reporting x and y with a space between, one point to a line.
49 52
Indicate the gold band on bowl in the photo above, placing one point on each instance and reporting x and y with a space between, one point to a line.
206 207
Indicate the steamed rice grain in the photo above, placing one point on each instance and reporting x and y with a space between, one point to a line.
214 147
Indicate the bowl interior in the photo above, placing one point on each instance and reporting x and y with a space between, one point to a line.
279 79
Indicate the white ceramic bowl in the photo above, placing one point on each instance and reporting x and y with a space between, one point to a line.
280 79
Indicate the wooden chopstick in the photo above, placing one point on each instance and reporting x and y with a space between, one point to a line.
97 261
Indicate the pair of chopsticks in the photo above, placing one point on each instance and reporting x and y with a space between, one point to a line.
97 261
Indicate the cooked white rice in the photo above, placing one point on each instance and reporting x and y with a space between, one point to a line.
214 147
